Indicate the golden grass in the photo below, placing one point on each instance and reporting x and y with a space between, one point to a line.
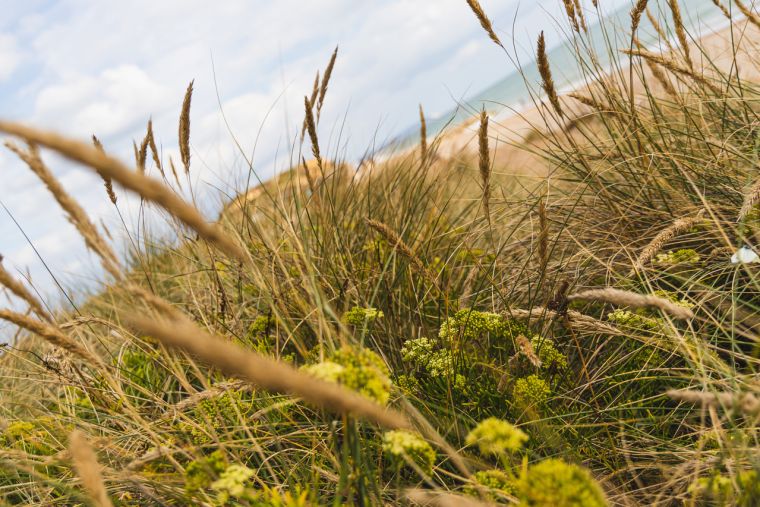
88 469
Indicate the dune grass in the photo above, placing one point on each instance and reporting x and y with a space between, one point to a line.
422 330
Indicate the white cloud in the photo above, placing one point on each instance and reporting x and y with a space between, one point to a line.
10 56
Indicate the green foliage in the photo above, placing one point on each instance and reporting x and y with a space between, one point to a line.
531 391
554 483
496 482
495 436
687 256
359 316
358 369
200 473
401 444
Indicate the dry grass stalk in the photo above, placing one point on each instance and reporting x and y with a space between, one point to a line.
526 349
312 100
51 335
661 78
325 82
184 128
309 177
636 12
543 236
441 499
153 148
657 27
547 82
20 290
571 15
398 244
576 320
149 188
88 469
579 14
484 21
673 67
620 297
311 128
748 403
423 137
267 373
751 16
107 182
484 165
74 212
174 172
142 154
751 198
586 101
723 9
675 10
665 235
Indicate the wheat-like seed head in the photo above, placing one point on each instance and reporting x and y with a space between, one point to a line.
620 297
677 227
184 128
325 82
88 469
749 13
311 128
675 10
423 136
636 12
484 21
545 71
748 403
107 182
484 165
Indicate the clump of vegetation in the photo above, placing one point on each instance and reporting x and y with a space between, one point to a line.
426 325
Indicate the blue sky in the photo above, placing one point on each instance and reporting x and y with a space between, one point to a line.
87 66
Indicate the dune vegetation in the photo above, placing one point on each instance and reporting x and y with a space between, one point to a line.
422 329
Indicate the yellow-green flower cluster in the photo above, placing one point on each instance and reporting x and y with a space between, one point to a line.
326 370
401 444
530 391
200 473
358 369
627 318
422 352
718 489
33 437
232 483
682 256
673 297
554 482
261 326
496 436
359 316
548 353
496 482
467 325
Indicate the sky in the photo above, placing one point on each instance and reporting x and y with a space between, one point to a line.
86 67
